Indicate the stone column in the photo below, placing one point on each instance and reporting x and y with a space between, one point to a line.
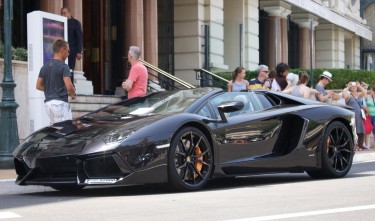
134 28
151 34
51 6
352 51
190 18
251 34
356 52
234 12
278 35
214 17
135 24
284 36
188 39
304 24
330 46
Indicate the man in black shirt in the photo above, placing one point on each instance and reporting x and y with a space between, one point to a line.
74 39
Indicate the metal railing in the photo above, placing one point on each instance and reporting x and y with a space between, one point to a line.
209 79
165 80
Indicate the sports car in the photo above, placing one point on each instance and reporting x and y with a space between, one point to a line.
185 138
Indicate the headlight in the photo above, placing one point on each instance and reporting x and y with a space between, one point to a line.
117 136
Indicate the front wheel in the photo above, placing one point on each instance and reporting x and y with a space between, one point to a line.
337 152
189 160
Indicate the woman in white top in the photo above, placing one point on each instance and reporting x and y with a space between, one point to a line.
238 83
301 89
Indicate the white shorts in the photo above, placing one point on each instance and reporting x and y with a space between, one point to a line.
58 111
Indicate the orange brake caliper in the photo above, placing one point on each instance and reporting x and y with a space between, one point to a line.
327 144
198 164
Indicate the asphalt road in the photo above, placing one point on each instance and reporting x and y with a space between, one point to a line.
268 197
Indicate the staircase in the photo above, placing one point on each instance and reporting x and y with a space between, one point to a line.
165 81
84 104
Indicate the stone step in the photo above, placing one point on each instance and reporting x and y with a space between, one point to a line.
81 106
102 99
84 104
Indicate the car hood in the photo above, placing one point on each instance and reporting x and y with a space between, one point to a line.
71 136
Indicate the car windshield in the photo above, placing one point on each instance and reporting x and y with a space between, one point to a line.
166 102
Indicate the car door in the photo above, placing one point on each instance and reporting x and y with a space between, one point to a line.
248 134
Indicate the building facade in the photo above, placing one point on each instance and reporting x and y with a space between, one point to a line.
179 36
368 46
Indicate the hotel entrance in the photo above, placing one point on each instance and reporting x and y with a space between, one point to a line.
104 52
111 26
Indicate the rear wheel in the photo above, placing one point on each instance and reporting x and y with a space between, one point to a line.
189 160
337 151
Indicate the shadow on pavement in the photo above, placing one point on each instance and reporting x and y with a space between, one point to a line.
44 195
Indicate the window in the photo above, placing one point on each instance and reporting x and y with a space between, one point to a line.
253 102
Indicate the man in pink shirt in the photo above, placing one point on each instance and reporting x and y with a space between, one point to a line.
136 84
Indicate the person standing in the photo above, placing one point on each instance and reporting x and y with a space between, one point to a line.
301 89
260 81
292 79
324 80
280 83
54 80
371 110
74 39
268 82
136 84
238 83
353 98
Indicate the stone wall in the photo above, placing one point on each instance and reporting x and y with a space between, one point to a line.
19 72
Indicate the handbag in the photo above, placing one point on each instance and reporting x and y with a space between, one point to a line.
368 125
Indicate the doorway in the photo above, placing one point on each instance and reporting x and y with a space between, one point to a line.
166 35
103 32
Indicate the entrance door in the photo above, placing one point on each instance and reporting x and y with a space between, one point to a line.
166 35
113 45
103 32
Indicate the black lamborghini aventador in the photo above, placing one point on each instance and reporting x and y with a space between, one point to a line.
185 138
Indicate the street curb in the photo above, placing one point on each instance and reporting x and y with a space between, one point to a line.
363 156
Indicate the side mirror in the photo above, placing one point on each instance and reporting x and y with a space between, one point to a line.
228 107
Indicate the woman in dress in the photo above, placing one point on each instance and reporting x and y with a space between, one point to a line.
354 99
238 83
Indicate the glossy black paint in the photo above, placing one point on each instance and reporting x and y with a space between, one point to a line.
86 151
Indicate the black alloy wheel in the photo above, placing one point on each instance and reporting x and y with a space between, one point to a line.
337 152
189 160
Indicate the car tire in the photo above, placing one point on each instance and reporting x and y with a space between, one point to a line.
190 160
337 152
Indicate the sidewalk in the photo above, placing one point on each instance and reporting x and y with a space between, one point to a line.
359 156
7 174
